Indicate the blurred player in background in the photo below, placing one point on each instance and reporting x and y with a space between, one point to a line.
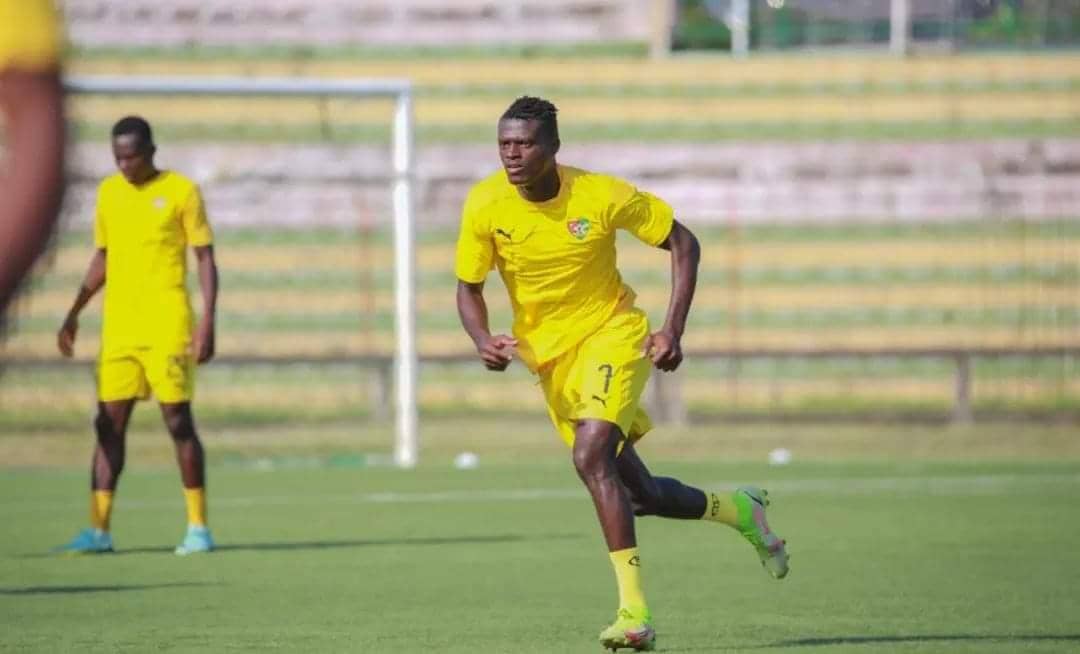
550 231
146 219
31 100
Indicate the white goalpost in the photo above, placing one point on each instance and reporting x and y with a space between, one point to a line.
406 441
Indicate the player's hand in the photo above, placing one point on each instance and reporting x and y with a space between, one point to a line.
664 349
497 351
202 348
65 338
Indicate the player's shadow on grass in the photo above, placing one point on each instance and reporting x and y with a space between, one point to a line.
78 590
288 546
927 638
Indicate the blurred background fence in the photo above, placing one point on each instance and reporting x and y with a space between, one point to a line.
951 25
309 27
883 237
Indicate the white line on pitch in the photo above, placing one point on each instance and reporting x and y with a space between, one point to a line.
936 485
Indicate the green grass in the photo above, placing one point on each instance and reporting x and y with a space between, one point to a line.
887 557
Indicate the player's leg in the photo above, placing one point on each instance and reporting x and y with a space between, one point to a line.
191 460
171 372
615 375
593 454
661 496
602 391
120 381
596 444
189 451
743 509
595 450
110 427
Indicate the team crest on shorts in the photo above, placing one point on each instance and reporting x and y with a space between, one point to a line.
579 228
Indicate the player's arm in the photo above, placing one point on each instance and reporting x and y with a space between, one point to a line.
495 351
208 284
664 347
92 283
474 258
32 187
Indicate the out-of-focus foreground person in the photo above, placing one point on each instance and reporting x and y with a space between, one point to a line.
31 100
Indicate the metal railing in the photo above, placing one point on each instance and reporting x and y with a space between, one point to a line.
664 396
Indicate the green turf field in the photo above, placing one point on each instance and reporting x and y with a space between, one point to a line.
906 556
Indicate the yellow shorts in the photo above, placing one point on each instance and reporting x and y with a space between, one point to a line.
133 373
601 378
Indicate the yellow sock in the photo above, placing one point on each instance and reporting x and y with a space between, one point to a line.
722 509
627 565
195 498
100 509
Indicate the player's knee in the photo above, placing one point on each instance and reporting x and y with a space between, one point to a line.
180 424
106 428
587 460
593 458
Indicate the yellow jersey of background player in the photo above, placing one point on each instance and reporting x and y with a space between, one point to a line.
550 232
146 220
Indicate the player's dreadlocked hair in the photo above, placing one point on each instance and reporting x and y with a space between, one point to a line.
529 108
134 125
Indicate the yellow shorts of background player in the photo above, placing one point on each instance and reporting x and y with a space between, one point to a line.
602 378
132 373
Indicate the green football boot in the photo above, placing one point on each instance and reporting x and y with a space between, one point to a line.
751 502
629 631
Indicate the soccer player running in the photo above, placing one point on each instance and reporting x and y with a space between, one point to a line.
146 219
31 101
550 231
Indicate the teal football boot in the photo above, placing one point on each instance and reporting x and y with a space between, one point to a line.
197 540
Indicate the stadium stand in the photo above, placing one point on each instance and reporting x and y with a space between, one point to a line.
339 22
880 221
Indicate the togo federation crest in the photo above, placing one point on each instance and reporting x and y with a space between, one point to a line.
579 228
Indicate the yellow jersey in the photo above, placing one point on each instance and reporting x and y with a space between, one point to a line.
29 35
557 258
145 231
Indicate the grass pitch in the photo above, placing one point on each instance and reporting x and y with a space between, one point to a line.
909 555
